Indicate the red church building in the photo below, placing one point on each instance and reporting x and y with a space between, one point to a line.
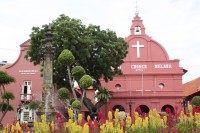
150 79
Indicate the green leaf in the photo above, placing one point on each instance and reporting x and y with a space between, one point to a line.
66 58
5 106
8 95
78 72
196 100
63 93
34 105
76 104
5 78
86 81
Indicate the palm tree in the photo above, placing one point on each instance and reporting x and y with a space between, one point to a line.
103 94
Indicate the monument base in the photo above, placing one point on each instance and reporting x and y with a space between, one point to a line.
50 115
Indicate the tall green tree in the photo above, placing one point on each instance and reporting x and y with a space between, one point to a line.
99 52
6 96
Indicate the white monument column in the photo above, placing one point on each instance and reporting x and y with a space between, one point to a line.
138 46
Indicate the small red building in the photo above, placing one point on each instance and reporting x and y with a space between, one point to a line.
150 79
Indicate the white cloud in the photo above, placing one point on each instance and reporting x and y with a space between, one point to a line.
175 24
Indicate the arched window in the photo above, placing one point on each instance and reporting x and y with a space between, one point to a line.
142 109
168 108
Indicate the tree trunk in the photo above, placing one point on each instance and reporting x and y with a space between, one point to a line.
3 115
99 104
87 102
70 82
2 95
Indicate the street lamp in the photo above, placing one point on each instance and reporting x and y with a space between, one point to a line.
184 104
130 106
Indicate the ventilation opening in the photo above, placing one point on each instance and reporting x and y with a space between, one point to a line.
161 85
117 86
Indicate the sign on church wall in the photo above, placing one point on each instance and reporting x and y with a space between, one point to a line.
142 67
28 71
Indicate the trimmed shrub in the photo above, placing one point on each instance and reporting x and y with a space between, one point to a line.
196 100
86 81
63 93
76 104
66 57
78 72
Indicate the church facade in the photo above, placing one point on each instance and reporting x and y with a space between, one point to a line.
150 79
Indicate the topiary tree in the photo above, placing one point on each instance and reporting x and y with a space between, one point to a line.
66 58
196 100
6 96
84 81
76 104
63 96
63 93
78 72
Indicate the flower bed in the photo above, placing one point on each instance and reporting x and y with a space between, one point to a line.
116 122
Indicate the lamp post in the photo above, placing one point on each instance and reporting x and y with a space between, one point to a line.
130 106
184 104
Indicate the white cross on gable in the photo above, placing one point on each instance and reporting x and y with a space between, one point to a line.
138 46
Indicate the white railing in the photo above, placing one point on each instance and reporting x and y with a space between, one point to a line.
26 97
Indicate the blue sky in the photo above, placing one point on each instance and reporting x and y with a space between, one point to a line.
175 24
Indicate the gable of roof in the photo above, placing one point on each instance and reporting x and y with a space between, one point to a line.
26 43
3 68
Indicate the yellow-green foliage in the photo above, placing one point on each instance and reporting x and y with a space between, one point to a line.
86 81
66 57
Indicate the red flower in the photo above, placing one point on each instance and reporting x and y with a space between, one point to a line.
50 127
168 111
100 115
138 109
58 115
24 127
